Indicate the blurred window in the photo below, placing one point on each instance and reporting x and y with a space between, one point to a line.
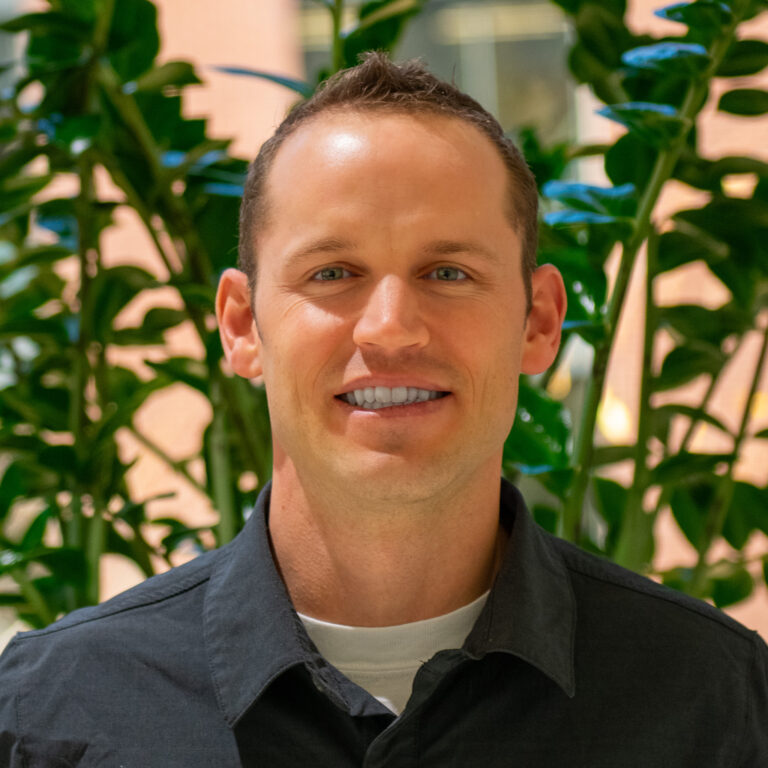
510 56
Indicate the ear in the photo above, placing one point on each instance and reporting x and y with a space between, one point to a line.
544 322
237 326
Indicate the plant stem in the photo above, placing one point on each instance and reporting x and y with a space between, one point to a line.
631 548
176 466
103 23
221 470
33 596
718 510
337 17
662 170
137 203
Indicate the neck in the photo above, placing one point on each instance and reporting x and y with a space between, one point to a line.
353 562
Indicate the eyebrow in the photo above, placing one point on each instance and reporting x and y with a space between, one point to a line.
449 247
434 249
323 245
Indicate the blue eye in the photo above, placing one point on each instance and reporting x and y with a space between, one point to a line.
447 273
331 273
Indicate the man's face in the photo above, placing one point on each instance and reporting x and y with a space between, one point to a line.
388 272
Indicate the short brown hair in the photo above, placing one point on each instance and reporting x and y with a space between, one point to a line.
380 84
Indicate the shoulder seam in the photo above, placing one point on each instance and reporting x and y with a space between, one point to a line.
118 610
744 634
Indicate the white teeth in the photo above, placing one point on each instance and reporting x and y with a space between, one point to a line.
373 398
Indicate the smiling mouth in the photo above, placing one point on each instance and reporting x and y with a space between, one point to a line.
373 398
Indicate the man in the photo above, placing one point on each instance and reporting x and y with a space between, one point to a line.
390 602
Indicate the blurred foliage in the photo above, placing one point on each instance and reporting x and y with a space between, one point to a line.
92 101
656 88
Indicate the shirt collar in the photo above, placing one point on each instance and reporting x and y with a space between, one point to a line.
531 611
253 634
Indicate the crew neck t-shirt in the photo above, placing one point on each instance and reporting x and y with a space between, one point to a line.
384 660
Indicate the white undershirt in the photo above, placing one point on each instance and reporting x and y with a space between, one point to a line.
384 660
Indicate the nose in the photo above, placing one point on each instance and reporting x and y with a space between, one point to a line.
391 318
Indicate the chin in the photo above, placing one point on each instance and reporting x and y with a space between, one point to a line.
387 478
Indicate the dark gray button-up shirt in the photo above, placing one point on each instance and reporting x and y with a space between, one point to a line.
573 662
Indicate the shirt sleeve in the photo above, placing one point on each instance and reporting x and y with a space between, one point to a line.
756 731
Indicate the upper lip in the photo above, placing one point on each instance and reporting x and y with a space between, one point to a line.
391 381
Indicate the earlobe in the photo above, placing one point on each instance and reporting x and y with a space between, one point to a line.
544 323
237 328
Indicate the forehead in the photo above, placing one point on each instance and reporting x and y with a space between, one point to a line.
420 148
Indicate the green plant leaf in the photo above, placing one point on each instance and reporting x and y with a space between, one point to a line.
735 586
619 228
610 498
302 88
48 23
66 564
677 247
749 102
545 162
112 289
61 459
685 466
763 433
701 14
591 332
546 517
33 536
741 223
611 454
602 32
754 501
744 512
191 372
18 602
662 416
744 57
152 328
710 325
172 73
16 482
379 27
84 10
612 201
656 124
680 59
539 436
179 533
17 190
630 161
586 67
689 505
133 39
686 362
585 282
